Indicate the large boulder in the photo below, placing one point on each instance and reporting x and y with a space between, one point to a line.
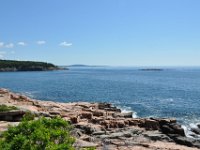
173 129
150 124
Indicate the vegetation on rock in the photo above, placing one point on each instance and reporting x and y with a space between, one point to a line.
48 134
4 108
28 116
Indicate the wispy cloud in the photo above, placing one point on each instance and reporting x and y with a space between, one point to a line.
1 44
41 42
65 44
21 43
10 45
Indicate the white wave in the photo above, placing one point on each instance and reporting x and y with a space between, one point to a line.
125 109
29 94
188 131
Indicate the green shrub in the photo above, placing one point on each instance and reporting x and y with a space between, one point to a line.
7 108
28 116
41 134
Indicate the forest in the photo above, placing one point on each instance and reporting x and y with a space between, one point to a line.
13 65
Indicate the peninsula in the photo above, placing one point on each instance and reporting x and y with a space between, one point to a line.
13 65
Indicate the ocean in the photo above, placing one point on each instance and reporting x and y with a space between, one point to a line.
173 92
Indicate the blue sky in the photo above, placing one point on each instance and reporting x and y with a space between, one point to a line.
101 32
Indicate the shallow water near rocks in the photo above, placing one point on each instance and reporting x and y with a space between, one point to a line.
173 92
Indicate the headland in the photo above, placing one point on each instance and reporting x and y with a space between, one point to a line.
101 125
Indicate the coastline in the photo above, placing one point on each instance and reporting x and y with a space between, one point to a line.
101 125
17 66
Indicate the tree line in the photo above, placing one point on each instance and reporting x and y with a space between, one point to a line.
12 65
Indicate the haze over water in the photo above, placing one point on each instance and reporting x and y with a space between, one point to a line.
173 92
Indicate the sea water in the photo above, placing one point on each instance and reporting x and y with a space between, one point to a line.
171 92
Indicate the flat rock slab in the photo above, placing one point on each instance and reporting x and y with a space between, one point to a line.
84 144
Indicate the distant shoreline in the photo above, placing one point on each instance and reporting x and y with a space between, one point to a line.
16 66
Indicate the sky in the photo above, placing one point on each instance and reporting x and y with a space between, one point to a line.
101 32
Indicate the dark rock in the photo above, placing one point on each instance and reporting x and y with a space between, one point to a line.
87 115
115 109
77 133
135 131
135 122
54 113
150 124
120 124
123 115
163 121
85 128
88 128
198 125
36 104
99 133
187 141
14 96
108 107
12 116
98 113
173 129
22 97
192 134
195 130
158 137
84 106
74 119
97 120
89 139
104 105
45 114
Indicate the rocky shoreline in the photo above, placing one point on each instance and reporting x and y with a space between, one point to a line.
101 125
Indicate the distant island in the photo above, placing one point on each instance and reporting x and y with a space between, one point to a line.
151 69
13 65
78 65
82 65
